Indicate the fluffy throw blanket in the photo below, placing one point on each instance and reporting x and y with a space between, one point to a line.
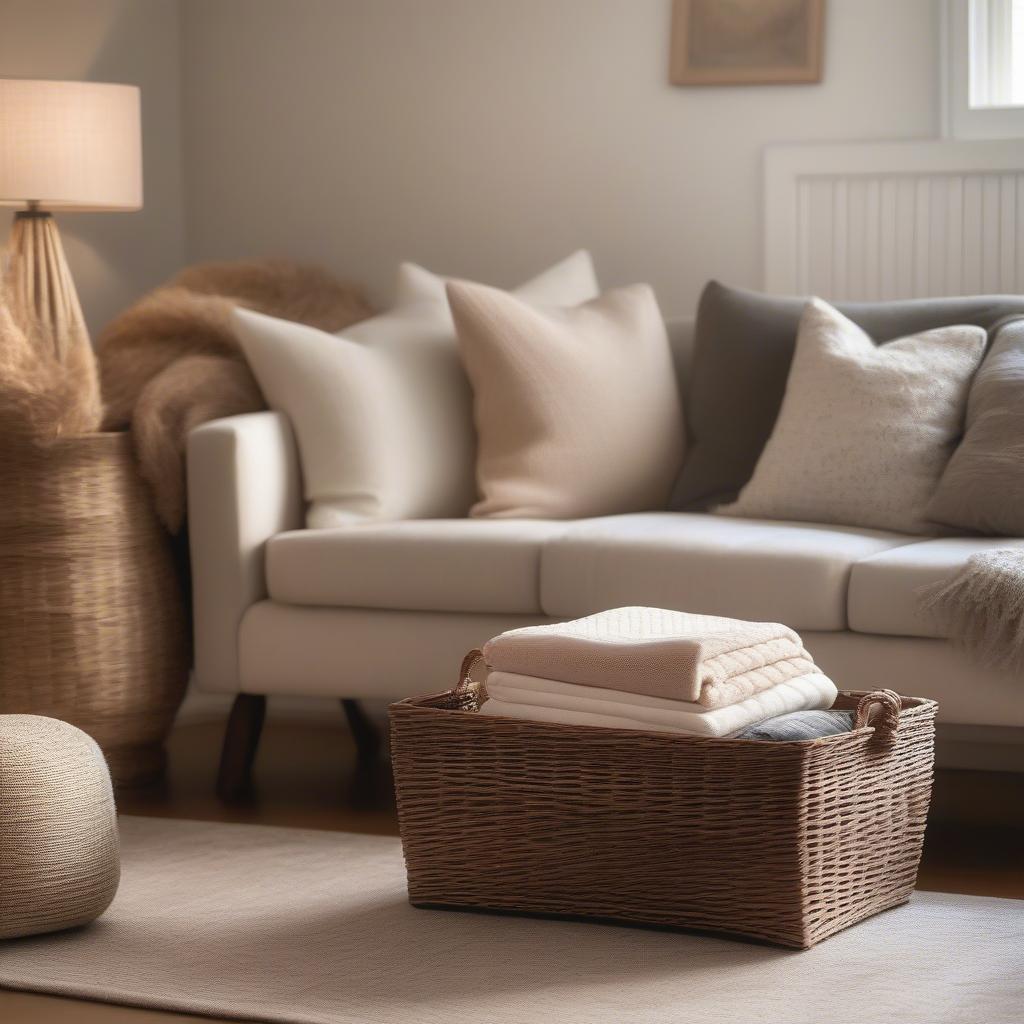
171 361
982 607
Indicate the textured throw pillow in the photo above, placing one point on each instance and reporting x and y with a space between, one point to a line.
577 410
865 431
983 486
743 346
382 412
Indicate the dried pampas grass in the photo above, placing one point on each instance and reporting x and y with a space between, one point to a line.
41 398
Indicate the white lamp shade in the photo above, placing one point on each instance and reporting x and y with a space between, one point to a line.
70 145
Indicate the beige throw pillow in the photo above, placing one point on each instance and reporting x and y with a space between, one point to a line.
865 430
577 410
382 411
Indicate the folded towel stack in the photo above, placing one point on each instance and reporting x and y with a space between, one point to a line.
656 670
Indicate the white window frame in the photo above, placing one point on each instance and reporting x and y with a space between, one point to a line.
959 119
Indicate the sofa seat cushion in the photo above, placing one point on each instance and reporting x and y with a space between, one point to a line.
795 573
359 652
444 565
883 587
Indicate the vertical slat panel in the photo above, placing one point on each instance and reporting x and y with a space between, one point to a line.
1019 243
840 240
862 234
990 231
1007 233
906 198
856 238
938 190
888 238
872 240
954 283
803 227
972 227
822 227
922 236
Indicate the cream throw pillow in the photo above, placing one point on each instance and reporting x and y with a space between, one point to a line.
577 410
865 430
382 412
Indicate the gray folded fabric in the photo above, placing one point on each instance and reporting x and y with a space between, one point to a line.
798 725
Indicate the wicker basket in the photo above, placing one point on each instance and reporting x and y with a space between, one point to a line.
92 625
784 842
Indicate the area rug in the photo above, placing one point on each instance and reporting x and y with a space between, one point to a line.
313 927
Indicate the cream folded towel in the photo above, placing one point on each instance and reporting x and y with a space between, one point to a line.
549 700
704 659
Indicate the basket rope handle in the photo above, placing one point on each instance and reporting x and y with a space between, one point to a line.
887 721
469 662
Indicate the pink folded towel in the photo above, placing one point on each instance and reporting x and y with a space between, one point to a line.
706 659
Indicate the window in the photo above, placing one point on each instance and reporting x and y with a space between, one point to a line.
983 69
995 53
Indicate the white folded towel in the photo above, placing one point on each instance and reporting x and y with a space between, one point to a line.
705 659
549 700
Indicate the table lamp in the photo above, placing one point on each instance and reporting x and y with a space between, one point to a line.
63 146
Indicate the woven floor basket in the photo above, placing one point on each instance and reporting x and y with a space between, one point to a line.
91 617
784 842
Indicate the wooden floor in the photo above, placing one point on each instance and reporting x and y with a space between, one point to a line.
305 778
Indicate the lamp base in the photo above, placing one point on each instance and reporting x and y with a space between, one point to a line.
40 288
41 296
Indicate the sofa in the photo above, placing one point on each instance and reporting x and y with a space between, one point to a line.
385 610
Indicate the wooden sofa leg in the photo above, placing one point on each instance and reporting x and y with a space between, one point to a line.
241 739
364 732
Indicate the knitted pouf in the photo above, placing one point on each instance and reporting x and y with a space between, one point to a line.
59 854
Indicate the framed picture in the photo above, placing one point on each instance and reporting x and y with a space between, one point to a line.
746 42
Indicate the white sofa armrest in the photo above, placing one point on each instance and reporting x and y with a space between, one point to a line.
244 486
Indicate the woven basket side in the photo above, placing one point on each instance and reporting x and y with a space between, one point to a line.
597 823
779 841
863 810
90 604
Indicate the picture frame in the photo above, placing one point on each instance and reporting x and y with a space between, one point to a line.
747 42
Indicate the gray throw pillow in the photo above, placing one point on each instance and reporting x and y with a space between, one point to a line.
865 430
743 347
982 488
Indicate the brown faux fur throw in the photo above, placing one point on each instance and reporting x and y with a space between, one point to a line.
171 361
41 398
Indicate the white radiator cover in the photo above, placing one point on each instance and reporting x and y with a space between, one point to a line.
894 220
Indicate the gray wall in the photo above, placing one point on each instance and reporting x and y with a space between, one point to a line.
490 137
480 137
